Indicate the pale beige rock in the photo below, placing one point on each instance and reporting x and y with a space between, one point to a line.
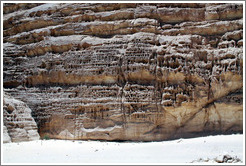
125 71
19 125
6 137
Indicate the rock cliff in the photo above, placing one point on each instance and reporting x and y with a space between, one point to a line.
18 123
126 71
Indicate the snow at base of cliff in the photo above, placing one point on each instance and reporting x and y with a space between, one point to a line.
202 149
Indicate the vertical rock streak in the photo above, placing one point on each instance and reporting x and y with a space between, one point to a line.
126 71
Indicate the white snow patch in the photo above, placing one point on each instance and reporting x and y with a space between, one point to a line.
43 7
14 101
5 45
140 35
175 39
103 14
140 21
93 40
26 12
16 13
175 151
64 39
100 129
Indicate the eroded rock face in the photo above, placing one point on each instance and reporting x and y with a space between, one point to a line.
6 137
127 71
19 125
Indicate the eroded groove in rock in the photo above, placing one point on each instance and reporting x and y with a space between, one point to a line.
126 71
19 125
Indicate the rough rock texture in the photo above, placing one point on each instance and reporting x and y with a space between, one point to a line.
19 125
126 71
6 137
220 159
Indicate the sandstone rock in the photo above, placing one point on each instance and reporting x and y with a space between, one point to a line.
18 122
142 72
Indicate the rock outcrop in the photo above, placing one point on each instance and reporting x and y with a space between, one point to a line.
126 71
19 125
6 137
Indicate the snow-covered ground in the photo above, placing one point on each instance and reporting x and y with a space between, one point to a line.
175 151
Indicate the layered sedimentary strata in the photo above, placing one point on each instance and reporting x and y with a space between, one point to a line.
126 71
19 125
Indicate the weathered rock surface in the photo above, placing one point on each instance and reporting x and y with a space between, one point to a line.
19 125
6 137
127 71
220 159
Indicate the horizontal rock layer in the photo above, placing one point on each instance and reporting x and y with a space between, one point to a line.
123 71
19 125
